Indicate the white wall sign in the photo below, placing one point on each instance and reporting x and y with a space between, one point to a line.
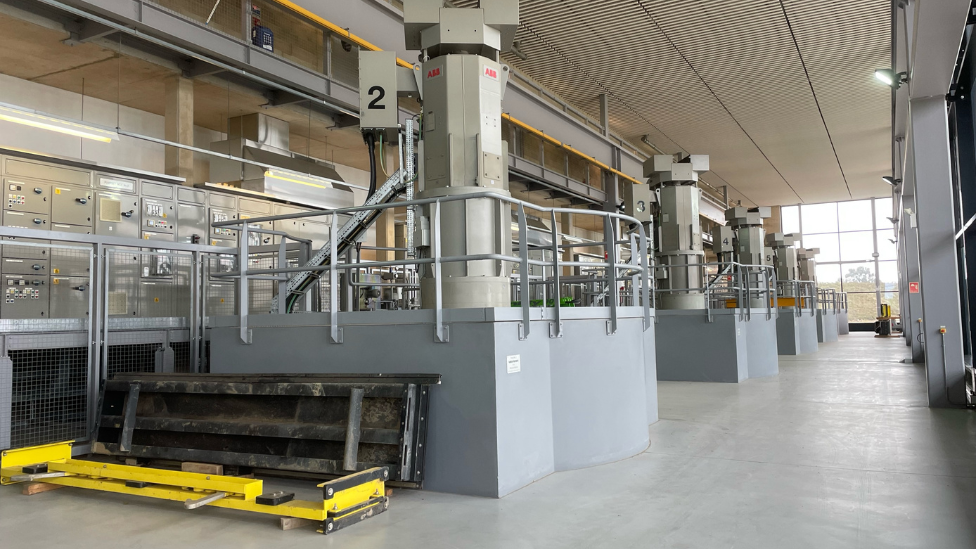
514 363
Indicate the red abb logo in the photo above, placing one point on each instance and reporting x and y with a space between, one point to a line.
491 73
433 72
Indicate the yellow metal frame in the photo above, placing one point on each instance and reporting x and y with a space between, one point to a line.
241 493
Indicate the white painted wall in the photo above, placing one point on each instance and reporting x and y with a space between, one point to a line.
127 152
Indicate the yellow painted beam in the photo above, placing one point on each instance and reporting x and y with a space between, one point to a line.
245 487
241 493
310 510
336 29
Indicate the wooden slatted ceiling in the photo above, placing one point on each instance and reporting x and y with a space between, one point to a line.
781 95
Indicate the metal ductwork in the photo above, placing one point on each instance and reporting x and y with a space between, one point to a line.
265 139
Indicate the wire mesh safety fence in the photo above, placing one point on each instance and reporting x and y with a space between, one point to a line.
63 330
149 311
132 356
49 395
44 378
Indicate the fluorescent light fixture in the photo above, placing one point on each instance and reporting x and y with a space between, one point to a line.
890 180
298 178
891 78
35 119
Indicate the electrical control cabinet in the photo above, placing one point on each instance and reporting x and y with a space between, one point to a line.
191 216
9 265
638 200
69 297
24 195
223 207
315 231
43 171
25 296
72 205
158 218
158 210
25 220
117 214
116 206
55 282
723 238
249 208
291 226
220 299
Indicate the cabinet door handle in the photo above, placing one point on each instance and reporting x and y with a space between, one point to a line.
38 221
128 213
82 200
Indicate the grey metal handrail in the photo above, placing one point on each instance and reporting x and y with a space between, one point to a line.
638 267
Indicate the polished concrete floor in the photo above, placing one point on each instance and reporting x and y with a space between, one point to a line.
838 451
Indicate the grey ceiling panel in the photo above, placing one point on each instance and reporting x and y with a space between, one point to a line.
780 94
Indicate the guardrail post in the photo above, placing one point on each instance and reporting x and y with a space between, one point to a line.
610 247
104 255
441 332
524 291
283 277
196 290
335 332
242 259
94 332
557 326
645 278
634 260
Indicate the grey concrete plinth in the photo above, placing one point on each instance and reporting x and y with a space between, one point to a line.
796 335
827 329
600 412
762 348
692 348
493 428
843 324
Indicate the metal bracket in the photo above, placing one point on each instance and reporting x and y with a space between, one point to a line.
336 335
249 337
446 334
555 329
611 330
521 329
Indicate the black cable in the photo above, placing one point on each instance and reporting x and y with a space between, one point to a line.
370 139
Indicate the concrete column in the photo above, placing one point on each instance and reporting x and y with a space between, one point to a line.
179 127
939 279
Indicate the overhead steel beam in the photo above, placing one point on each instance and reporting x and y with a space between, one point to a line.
86 31
196 68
